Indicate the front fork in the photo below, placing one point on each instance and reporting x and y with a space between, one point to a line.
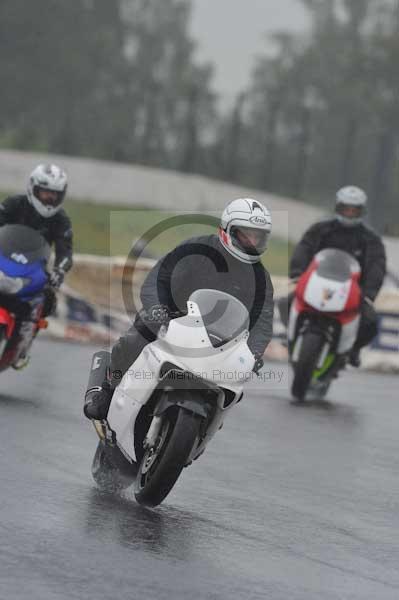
296 347
187 403
153 432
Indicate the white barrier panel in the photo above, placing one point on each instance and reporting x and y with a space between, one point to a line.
383 354
80 319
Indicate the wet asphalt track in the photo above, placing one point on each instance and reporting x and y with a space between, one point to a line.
287 503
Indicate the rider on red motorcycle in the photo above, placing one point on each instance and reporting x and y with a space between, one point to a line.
346 231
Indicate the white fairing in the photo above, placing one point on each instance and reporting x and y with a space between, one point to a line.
326 295
186 344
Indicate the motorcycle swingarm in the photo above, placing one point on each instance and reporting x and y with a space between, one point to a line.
115 453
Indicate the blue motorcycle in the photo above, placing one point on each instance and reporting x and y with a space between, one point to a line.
24 255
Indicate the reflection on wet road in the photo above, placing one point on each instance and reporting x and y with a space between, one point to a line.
288 501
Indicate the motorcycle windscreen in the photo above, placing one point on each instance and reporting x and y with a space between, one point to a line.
23 257
336 265
224 316
23 245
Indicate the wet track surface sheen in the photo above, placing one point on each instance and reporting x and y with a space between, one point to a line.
287 502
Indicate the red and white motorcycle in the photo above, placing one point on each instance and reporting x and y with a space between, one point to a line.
323 321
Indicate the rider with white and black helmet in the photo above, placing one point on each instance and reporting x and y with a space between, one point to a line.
47 187
41 208
350 206
245 228
347 231
229 261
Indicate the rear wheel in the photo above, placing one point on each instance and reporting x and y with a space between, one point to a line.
162 465
312 345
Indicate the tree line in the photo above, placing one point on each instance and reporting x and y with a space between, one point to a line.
120 81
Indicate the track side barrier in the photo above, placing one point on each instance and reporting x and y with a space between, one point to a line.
91 309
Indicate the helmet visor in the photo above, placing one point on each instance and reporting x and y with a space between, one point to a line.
350 211
48 197
250 240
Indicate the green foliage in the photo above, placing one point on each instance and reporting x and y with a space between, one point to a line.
119 80
114 80
107 229
324 112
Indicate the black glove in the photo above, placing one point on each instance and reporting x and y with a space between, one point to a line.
368 300
159 313
56 277
50 302
259 362
295 276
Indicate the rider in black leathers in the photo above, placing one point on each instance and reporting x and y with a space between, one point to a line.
229 262
41 209
347 232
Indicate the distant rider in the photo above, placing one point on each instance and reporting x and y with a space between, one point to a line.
347 231
228 262
41 209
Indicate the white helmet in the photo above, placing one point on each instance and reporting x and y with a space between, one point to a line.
47 178
245 228
350 205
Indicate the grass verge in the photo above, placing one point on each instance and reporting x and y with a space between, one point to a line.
112 230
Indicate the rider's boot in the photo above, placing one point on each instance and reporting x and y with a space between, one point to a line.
99 390
23 354
354 357
21 362
97 402
27 332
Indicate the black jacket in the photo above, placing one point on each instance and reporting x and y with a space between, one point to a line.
360 241
202 262
56 230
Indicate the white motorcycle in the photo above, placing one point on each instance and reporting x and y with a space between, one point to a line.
174 398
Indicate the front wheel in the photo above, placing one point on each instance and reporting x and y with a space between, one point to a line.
162 465
312 345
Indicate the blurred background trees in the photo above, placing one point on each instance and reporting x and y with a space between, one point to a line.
113 80
120 80
323 111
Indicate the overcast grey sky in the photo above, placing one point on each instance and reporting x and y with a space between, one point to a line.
231 32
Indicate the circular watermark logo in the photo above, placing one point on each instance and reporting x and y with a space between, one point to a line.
227 296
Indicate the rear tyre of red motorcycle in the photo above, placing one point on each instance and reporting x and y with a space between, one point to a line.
162 465
312 345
